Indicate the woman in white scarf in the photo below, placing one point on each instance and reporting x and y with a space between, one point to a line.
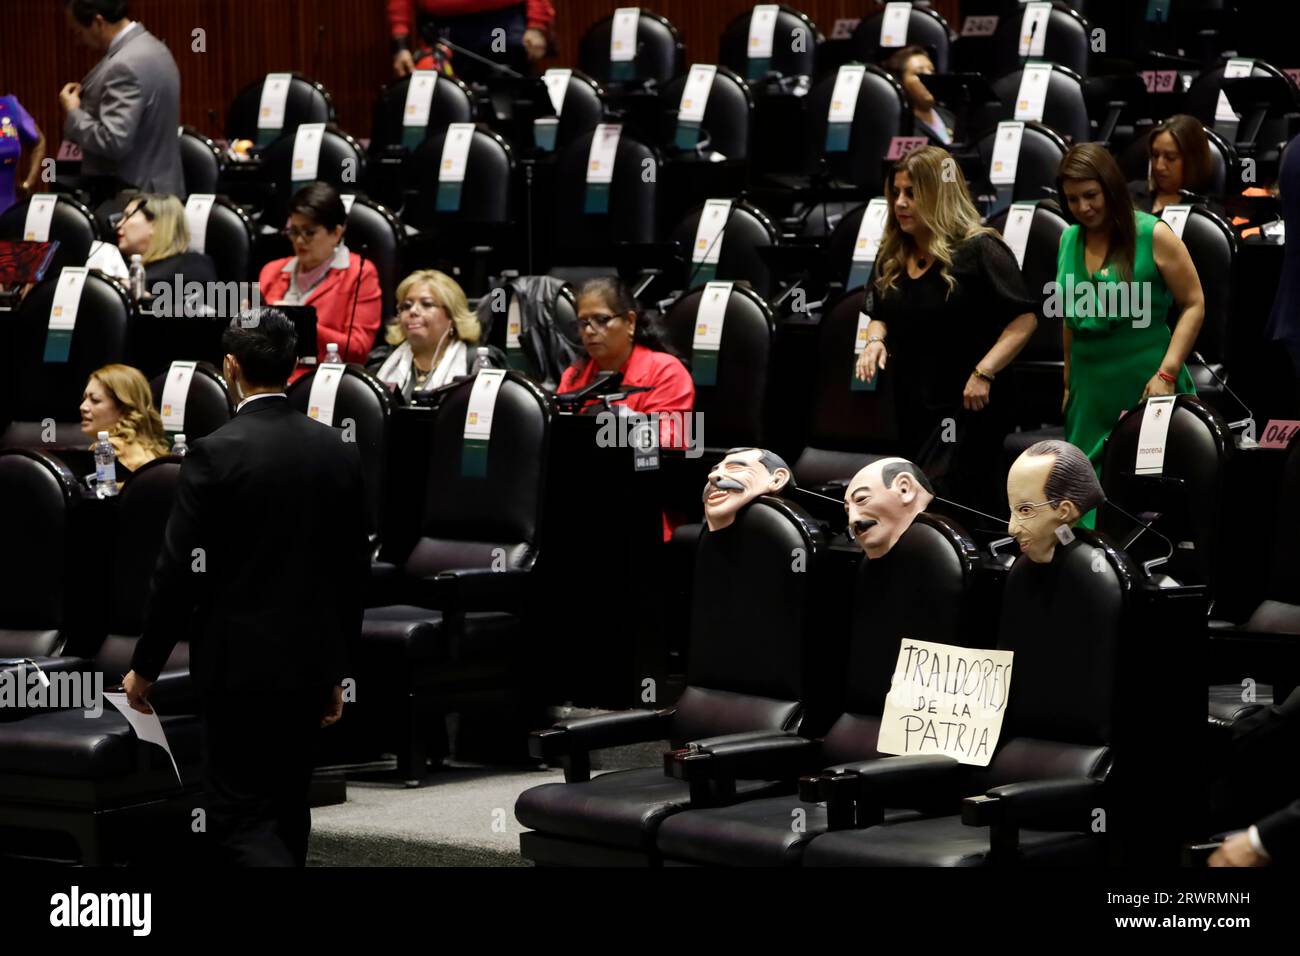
434 332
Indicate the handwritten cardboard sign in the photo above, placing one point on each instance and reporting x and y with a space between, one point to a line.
946 700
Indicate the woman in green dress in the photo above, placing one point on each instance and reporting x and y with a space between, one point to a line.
1118 272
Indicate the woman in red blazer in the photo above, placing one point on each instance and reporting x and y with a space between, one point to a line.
342 286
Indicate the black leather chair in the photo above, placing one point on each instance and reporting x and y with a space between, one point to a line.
582 109
201 161
362 404
342 164
660 53
794 50
847 428
307 102
1068 40
1225 171
376 233
728 117
1041 152
925 27
733 406
589 238
547 344
1053 763
1202 99
207 404
90 779
37 494
1188 494
72 224
924 589
40 390
391 143
1038 371
833 268
881 114
1212 244
748 231
451 591
229 241
1064 110
751 619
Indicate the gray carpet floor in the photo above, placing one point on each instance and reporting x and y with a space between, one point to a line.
462 816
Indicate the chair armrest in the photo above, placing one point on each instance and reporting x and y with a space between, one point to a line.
475 589
1049 804
742 756
856 794
570 742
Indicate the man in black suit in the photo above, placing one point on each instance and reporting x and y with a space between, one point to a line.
263 566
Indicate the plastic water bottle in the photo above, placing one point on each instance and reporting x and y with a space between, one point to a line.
105 467
179 448
482 360
136 277
332 353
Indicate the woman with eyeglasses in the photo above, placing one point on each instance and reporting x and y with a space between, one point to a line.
153 227
323 272
435 334
618 340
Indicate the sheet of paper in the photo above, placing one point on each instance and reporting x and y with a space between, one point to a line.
604 148
710 315
419 98
107 258
762 29
175 394
482 401
695 93
1032 96
871 230
455 152
1033 28
893 25
40 212
275 93
622 37
557 87
306 151
324 392
844 97
198 209
1176 215
948 700
67 298
1233 69
1020 219
148 727
708 234
1006 153
1156 416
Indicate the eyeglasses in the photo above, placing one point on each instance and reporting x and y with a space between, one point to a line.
426 305
118 218
1027 510
597 321
293 233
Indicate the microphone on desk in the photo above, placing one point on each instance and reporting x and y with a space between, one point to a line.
1249 421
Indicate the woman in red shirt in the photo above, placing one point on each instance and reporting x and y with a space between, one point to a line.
342 286
616 340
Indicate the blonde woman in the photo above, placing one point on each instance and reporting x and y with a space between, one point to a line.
949 311
153 227
117 400
435 334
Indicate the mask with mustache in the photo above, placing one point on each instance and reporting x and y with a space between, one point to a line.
742 476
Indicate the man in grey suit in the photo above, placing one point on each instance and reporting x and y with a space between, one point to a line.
126 112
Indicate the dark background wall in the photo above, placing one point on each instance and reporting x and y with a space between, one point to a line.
342 43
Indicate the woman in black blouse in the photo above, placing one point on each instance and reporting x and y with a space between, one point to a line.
949 312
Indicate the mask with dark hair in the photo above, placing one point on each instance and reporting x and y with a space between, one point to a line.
1049 488
743 475
881 502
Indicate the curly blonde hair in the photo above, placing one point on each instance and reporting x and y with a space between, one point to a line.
464 323
140 422
943 206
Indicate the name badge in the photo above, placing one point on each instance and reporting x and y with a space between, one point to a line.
1153 434
198 208
893 25
1033 28
40 213
324 391
275 93
306 151
1020 219
1006 153
478 422
762 30
1032 96
419 98
709 320
1176 216
175 395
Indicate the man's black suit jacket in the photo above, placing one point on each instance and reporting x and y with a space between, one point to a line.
265 557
